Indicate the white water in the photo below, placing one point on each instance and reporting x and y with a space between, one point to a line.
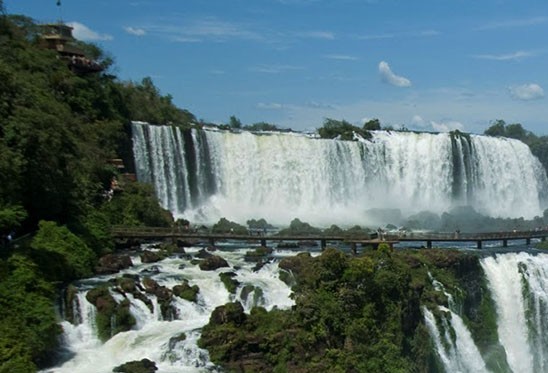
458 355
281 176
519 287
150 338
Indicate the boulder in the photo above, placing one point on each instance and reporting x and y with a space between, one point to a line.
229 313
151 256
112 263
212 263
137 366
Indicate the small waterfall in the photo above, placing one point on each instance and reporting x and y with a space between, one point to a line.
519 287
171 344
204 174
457 352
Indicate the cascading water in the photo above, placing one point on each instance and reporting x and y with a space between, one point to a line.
518 284
157 339
204 174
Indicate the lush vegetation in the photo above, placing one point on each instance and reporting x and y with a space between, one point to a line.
58 129
355 314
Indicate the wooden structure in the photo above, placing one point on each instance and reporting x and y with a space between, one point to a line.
58 37
155 233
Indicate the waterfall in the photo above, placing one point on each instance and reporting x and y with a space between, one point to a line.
206 174
519 287
157 339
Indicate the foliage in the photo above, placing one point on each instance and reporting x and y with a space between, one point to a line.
259 224
299 228
263 126
358 314
372 125
65 256
341 129
28 326
226 226
58 129
137 205
145 103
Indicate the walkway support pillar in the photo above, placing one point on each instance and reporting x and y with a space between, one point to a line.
263 242
354 248
479 244
504 243
212 241
528 241
543 238
429 244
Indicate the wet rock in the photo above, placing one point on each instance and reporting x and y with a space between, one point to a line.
258 254
152 256
212 263
112 263
137 366
230 283
203 254
228 313
152 270
185 291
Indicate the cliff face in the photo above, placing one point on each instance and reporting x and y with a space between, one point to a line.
356 314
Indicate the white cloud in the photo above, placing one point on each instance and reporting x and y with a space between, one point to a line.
208 29
325 35
269 106
82 32
505 57
342 57
417 121
527 92
389 77
518 22
274 69
404 34
447 126
135 31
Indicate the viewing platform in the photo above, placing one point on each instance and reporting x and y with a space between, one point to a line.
158 233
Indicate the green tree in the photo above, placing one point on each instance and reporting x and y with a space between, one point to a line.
498 128
372 125
234 123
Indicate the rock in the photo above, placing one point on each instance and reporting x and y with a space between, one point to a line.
212 263
151 256
229 313
203 254
230 283
137 366
150 285
258 254
152 270
112 263
185 291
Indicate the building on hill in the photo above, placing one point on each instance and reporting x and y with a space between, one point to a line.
58 37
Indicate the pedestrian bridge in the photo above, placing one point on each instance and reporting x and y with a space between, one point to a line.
159 233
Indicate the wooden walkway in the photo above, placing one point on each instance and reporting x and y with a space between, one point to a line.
158 233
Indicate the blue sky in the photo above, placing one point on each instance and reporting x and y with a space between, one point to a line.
432 65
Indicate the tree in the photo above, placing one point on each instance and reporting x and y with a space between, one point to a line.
234 122
498 128
372 125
